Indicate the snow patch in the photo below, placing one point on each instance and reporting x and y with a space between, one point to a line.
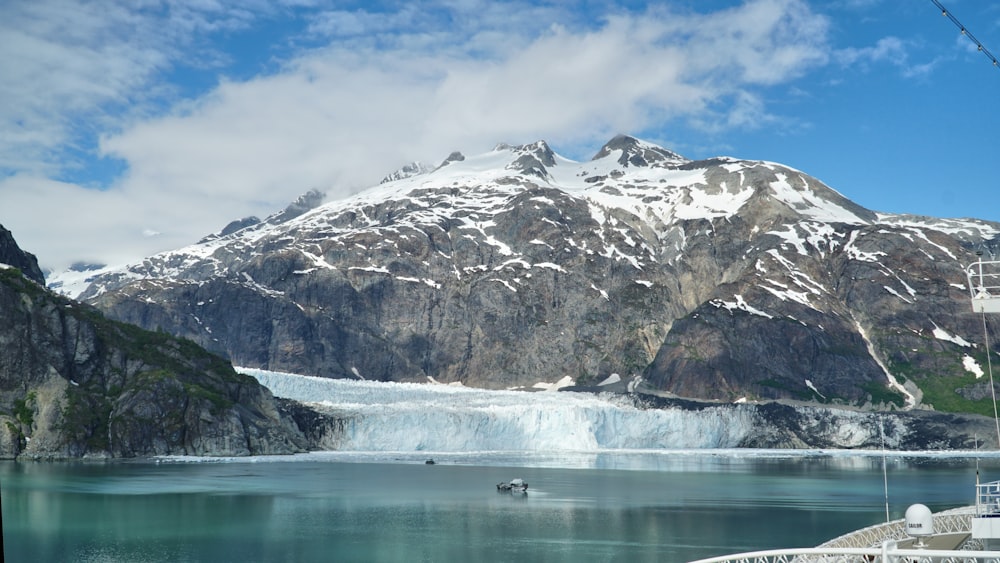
854 253
613 378
740 304
566 381
972 366
942 334
896 293
810 385
452 384
550 266
505 283
909 400
603 293
373 269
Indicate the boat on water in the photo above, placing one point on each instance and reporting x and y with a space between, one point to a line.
513 486
968 534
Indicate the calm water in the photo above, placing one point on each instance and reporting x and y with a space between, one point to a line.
343 507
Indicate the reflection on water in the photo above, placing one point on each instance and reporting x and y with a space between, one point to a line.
364 507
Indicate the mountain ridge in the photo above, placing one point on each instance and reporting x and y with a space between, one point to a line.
717 279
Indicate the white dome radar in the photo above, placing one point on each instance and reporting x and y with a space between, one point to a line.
919 523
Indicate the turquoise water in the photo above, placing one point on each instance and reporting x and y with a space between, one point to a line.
344 507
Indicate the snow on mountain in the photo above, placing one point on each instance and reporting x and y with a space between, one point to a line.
408 171
629 175
720 278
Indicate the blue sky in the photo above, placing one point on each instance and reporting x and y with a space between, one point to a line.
134 127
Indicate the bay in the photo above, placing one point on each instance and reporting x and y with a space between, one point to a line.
342 506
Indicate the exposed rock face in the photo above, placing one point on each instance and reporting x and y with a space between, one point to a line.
75 384
12 255
717 279
632 152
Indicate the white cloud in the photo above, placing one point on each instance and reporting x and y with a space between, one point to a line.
887 49
72 223
61 61
73 69
386 89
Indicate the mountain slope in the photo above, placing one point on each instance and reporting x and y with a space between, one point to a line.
74 384
719 279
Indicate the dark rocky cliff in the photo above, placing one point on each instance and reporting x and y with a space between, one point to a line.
12 255
75 384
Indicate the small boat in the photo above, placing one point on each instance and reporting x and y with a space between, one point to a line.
514 486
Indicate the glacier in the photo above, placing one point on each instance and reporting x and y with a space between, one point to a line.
412 417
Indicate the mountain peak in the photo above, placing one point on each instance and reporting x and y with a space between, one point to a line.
635 152
534 158
455 156
412 169
305 202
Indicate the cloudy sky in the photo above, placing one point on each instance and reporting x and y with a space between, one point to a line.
132 127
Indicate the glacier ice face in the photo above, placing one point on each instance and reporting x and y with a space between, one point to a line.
408 417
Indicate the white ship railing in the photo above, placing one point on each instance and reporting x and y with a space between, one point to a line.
954 521
886 554
988 499
984 286
878 544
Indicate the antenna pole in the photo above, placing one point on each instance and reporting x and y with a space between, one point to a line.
885 476
989 368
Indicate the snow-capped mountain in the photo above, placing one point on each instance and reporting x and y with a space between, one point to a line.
721 279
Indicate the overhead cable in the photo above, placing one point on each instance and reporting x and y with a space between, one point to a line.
982 48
